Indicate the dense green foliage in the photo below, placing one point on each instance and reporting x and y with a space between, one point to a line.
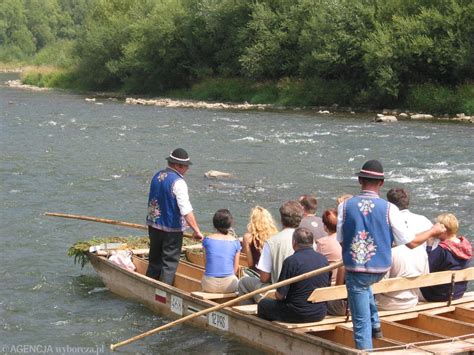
31 26
371 53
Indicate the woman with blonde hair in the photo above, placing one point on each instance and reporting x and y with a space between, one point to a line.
260 228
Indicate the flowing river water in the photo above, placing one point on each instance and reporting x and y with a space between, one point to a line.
60 153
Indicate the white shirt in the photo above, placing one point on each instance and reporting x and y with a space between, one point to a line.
418 223
401 233
265 262
180 190
406 262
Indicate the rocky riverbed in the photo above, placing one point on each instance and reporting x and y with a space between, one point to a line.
19 85
394 116
387 116
194 104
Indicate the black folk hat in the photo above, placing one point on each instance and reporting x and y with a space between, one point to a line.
179 156
372 170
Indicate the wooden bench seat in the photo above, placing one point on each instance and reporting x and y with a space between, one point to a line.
246 309
326 320
330 322
396 284
213 296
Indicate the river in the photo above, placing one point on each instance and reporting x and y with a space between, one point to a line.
60 153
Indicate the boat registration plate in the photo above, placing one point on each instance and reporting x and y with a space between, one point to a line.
177 305
219 320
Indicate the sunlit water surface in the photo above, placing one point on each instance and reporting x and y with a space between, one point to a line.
61 153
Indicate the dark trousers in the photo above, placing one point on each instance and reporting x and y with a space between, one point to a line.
165 250
270 309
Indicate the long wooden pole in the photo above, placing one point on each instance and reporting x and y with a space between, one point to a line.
229 303
103 220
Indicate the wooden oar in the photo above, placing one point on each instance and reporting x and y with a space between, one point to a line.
229 303
104 220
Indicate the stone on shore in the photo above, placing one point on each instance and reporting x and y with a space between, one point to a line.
324 112
403 115
385 119
421 116
193 104
214 174
17 84
461 117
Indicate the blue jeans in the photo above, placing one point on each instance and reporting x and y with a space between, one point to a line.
362 305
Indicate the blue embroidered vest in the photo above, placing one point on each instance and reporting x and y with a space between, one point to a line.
163 210
367 235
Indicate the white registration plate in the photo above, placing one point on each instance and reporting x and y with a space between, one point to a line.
219 320
176 305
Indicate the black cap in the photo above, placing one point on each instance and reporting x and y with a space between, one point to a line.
179 156
372 170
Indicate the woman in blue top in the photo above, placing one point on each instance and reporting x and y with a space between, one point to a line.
222 252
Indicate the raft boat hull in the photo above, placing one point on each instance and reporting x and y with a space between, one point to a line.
326 339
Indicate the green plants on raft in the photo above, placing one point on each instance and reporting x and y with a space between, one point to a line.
80 249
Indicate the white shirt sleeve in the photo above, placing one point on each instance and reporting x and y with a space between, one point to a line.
265 261
340 220
401 232
180 190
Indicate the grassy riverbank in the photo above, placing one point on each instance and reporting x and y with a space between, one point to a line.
428 98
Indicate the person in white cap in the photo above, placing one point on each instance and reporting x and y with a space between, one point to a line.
367 226
169 214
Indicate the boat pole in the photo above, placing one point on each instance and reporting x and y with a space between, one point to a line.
230 303
104 220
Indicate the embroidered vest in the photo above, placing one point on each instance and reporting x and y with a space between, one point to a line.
163 210
367 235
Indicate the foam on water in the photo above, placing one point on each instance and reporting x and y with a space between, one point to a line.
97 290
465 172
406 179
226 119
247 139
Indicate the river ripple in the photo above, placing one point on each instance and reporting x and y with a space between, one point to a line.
61 153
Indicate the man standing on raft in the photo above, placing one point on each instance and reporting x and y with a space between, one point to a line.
367 226
169 213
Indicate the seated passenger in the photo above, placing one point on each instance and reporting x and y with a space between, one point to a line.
222 252
310 221
453 253
406 262
291 304
329 246
332 250
275 251
260 227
